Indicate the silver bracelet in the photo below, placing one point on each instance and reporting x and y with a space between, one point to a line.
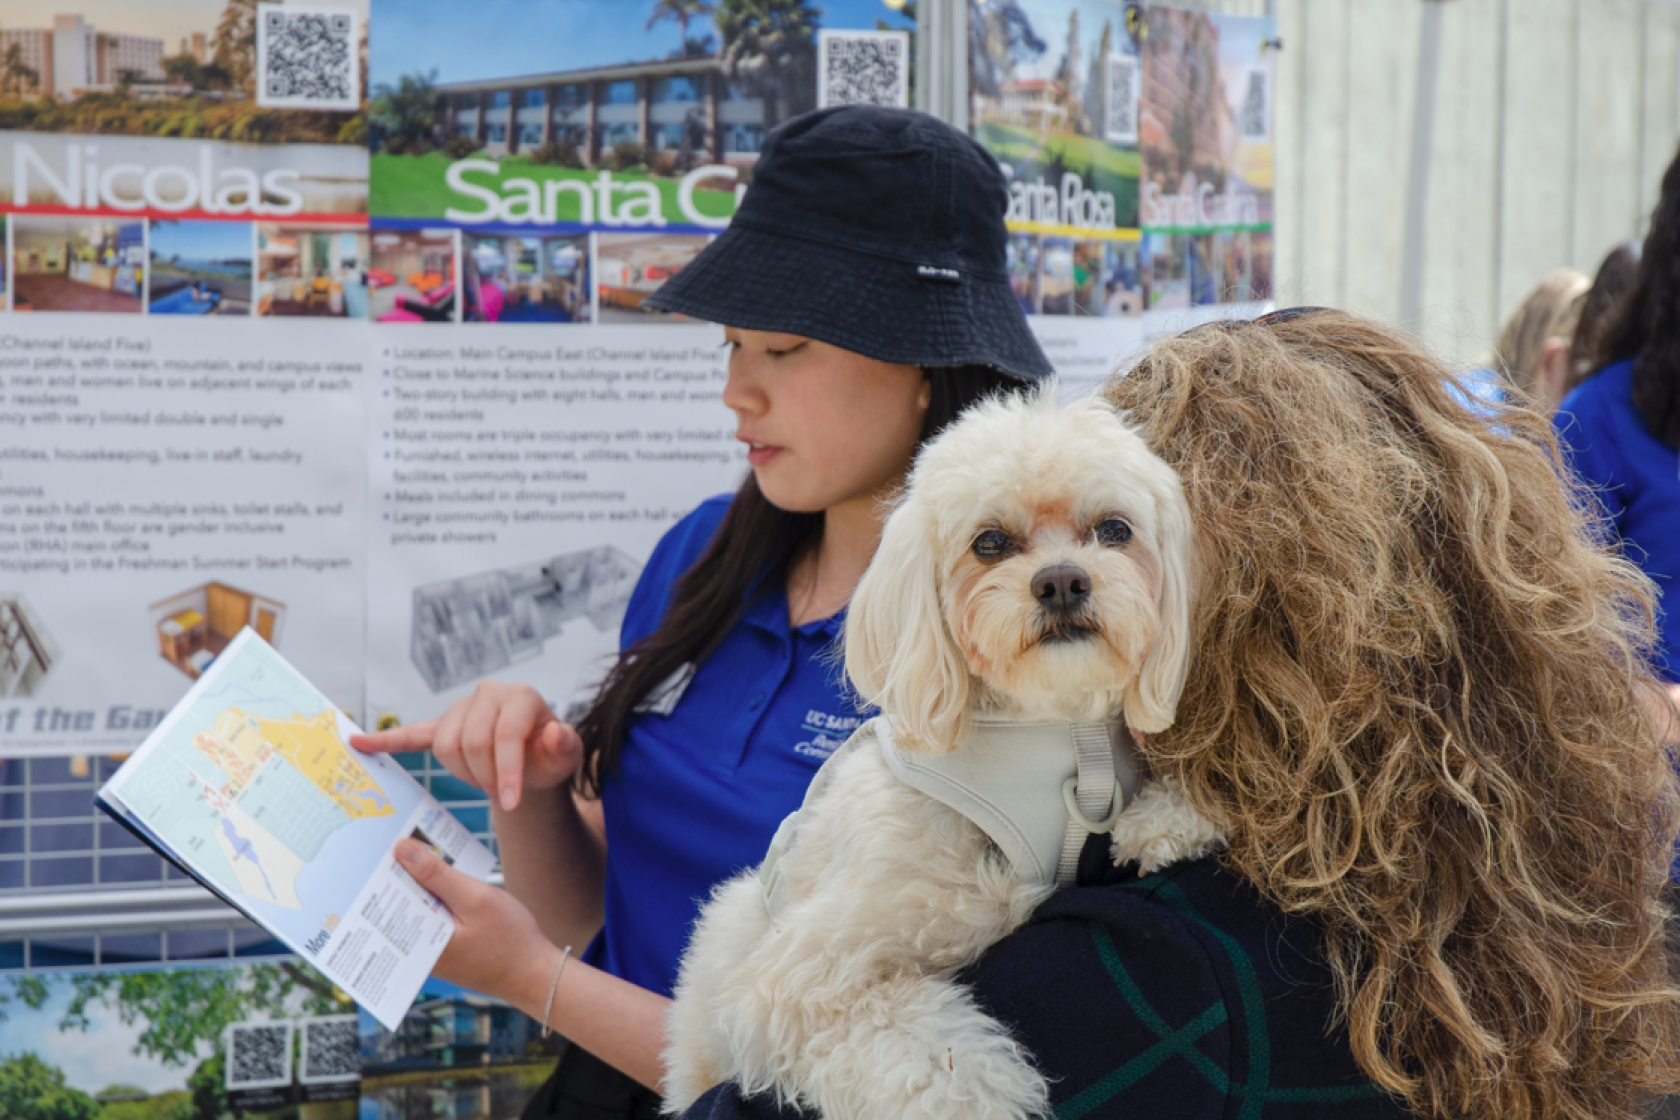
552 988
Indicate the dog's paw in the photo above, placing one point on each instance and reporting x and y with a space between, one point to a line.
991 1081
995 1082
926 1051
1160 827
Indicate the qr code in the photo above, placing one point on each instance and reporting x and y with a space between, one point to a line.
863 68
1121 105
1256 115
331 1050
259 1055
307 58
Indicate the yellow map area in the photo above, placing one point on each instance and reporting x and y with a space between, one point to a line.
243 742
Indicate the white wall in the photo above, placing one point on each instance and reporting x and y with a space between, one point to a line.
1555 120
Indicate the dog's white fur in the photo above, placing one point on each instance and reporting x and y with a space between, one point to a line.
844 1001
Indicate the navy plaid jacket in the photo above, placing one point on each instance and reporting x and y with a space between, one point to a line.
1181 995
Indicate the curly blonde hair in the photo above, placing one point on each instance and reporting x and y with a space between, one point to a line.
1418 700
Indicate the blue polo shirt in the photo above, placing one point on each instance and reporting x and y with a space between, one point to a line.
699 792
1637 478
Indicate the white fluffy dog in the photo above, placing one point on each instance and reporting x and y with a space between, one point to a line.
1037 568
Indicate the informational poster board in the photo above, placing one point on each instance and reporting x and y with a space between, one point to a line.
257 1039
186 377
326 319
1138 144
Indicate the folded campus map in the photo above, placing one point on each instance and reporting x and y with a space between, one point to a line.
250 786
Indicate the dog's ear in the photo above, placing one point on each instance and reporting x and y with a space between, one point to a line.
1152 699
899 651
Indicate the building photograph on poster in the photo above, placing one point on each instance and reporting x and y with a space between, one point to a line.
1053 87
1114 118
1205 130
603 114
171 87
199 268
177 1042
1053 94
149 67
457 1054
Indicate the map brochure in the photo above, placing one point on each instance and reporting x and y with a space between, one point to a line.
250 786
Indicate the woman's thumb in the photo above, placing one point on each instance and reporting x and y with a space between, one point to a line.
426 868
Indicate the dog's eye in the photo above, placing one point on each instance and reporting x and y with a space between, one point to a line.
991 544
1113 531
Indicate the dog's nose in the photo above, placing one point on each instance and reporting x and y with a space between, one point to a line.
1061 587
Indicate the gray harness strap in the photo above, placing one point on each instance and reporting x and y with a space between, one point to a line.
1094 797
1037 790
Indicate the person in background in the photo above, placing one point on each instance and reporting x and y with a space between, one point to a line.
861 313
1532 354
1614 277
1620 429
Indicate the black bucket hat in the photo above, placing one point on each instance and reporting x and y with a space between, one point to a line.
879 231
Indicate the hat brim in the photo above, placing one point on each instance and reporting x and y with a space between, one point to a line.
875 306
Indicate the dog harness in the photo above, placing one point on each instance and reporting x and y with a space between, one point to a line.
1037 790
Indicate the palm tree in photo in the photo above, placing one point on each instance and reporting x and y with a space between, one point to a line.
1001 38
769 48
235 45
183 69
19 75
407 112
680 10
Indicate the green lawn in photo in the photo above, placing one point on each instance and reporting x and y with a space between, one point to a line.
165 1106
415 187
1103 166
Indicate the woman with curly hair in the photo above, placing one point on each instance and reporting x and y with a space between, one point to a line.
1420 700
1622 427
1420 708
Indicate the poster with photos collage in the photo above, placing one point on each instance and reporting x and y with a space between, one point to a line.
326 317
1138 144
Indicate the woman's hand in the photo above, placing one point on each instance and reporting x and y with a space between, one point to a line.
506 741
503 739
497 948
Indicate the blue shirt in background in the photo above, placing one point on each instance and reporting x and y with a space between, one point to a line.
1637 479
1481 390
699 792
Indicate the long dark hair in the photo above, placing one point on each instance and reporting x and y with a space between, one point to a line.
1616 273
1646 326
753 538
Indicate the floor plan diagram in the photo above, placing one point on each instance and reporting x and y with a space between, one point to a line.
467 628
